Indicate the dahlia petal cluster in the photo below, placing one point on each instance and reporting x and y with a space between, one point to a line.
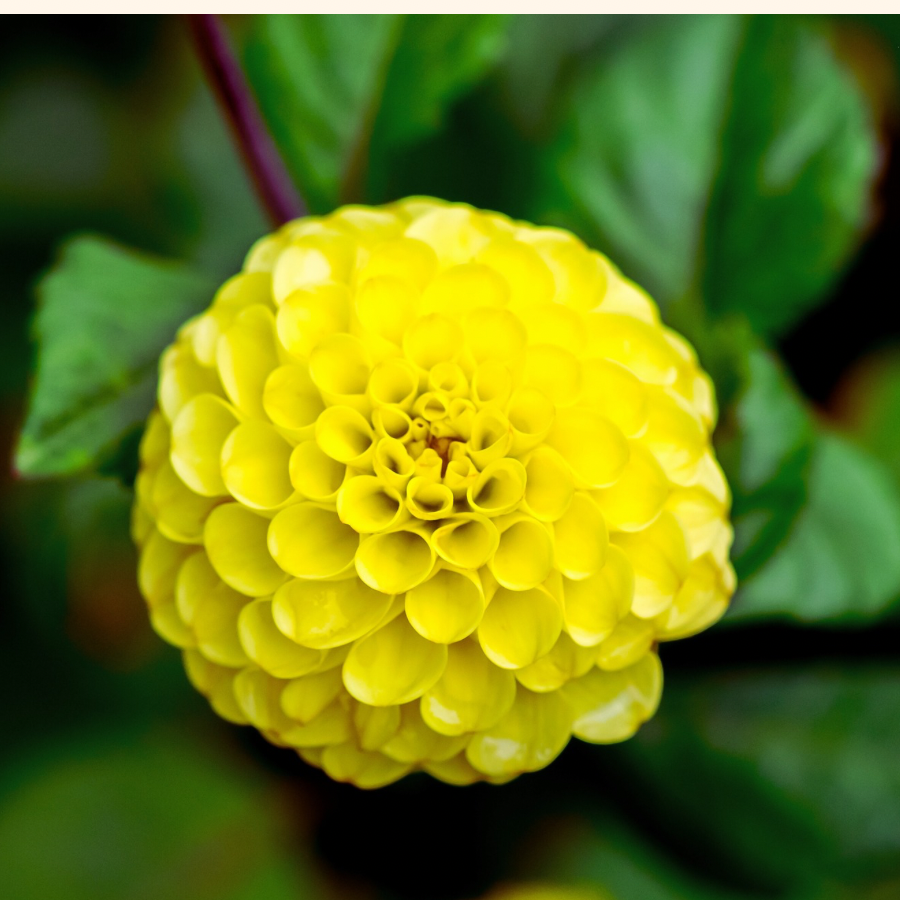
425 489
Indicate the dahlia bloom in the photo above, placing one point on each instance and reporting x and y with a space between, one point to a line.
425 489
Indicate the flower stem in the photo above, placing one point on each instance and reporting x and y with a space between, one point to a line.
273 184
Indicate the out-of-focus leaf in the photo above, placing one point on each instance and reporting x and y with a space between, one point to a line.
638 152
764 444
785 776
319 80
532 91
139 818
105 313
841 559
438 57
792 194
724 155
602 854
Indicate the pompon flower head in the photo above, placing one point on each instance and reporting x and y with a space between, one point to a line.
425 489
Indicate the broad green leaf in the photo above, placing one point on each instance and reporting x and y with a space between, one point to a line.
319 79
764 443
638 151
139 817
841 559
438 57
727 157
786 776
532 92
105 313
797 163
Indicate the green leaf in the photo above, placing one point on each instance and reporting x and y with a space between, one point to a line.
438 58
319 79
784 776
764 444
638 151
719 155
105 314
138 817
841 560
797 166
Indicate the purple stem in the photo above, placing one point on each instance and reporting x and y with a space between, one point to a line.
273 184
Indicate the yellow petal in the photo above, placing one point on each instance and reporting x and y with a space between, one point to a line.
615 393
344 434
495 334
427 499
314 474
675 436
415 742
658 555
215 623
557 326
566 660
268 647
306 697
180 513
375 725
637 498
471 695
593 447
394 382
498 489
181 378
339 367
291 400
158 567
639 346
385 305
433 339
235 539
610 706
393 666
594 606
625 297
461 289
255 468
310 260
580 538
368 506
530 736
198 434
530 280
216 683
491 384
409 260
245 356
310 314
703 598
310 541
555 372
396 561
168 624
549 487
323 614
456 232
447 607
524 556
519 626
457 771
700 515
466 540
393 464
365 769
629 641
491 437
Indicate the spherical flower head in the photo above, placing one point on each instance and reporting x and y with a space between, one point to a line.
425 489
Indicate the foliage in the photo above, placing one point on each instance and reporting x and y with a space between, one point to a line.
730 164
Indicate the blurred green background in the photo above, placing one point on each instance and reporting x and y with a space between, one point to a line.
744 170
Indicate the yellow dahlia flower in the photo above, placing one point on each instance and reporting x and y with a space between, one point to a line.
425 489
